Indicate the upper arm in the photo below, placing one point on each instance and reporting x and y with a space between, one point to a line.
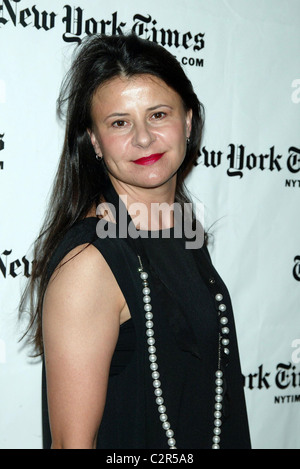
80 329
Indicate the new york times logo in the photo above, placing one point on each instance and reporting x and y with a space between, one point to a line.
78 23
188 221
11 267
240 160
285 378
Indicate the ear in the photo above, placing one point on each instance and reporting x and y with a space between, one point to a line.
95 142
188 122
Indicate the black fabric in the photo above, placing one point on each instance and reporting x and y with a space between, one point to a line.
183 284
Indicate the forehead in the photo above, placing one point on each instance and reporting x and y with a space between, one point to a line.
138 88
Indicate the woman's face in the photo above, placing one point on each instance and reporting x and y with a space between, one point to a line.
140 128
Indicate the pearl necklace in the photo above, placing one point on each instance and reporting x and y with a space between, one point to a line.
222 351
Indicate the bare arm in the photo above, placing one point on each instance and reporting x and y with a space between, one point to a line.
81 318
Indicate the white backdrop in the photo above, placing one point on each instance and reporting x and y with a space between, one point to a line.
243 58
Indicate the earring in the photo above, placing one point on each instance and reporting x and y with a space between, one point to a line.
98 157
188 140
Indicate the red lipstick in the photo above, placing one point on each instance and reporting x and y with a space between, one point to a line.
147 160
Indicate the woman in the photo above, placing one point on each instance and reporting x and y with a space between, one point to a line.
134 329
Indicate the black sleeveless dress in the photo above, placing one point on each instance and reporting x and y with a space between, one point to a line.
183 284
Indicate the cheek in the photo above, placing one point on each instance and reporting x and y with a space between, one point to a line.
177 136
116 150
110 145
178 130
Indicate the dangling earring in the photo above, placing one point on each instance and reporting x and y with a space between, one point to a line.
188 140
98 157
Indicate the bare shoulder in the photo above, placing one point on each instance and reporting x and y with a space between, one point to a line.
83 281
84 260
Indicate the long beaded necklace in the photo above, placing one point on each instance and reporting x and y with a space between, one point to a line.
223 350
223 342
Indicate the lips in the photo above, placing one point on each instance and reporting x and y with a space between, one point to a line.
147 160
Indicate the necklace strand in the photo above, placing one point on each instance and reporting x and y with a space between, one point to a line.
223 350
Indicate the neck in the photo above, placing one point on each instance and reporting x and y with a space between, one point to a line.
149 208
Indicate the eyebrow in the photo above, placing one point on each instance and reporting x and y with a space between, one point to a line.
124 114
116 114
158 106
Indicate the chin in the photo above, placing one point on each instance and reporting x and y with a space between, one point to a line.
158 181
149 180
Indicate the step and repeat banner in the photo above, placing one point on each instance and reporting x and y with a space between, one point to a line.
243 58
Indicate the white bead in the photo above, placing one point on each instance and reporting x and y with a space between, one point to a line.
149 324
215 446
152 357
146 299
162 409
219 374
171 442
158 392
219 297
155 375
149 332
159 400
218 398
225 330
217 431
217 414
147 307
163 417
156 383
153 366
218 423
146 291
216 439
151 341
166 425
226 350
152 350
144 275
219 390
218 406
223 320
148 316
169 433
225 341
218 381
222 307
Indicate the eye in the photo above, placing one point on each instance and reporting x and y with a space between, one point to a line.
119 123
158 115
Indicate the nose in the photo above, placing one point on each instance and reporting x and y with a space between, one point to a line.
142 136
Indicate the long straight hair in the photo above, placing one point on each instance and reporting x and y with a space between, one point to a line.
80 179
